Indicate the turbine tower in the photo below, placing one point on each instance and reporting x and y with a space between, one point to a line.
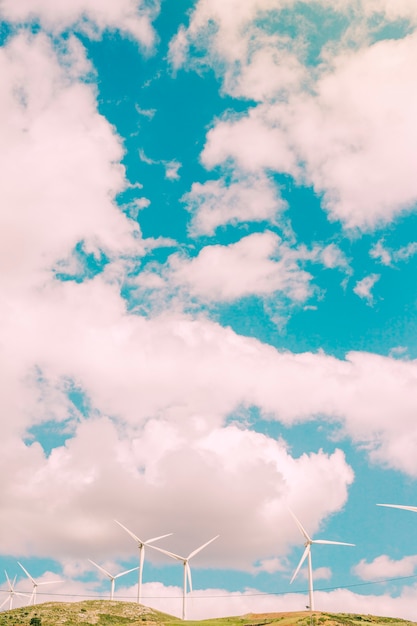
35 584
187 570
141 545
11 591
307 554
112 578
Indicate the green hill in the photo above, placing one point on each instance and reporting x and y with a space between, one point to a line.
115 613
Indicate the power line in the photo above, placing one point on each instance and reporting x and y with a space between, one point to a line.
231 594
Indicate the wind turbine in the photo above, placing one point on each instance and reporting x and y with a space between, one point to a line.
307 554
141 545
187 570
11 592
112 578
36 584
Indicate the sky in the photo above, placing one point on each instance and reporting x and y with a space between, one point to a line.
208 293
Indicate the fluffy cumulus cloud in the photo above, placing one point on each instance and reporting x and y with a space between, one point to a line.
355 135
167 470
132 17
60 162
60 168
347 129
202 373
385 567
220 202
259 264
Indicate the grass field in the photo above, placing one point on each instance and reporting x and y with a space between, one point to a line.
114 613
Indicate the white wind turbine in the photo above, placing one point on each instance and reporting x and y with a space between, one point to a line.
307 554
35 584
11 591
187 570
141 545
112 578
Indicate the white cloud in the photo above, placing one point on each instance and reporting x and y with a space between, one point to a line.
387 256
321 573
170 383
356 135
244 199
131 17
213 602
199 369
404 253
259 264
363 288
171 167
380 253
169 469
59 163
149 113
385 567
251 144
348 129
332 256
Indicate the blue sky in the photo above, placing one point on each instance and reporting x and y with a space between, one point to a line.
209 252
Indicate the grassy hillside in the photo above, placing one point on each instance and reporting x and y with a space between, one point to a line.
114 613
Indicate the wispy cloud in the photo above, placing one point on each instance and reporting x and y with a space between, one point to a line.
363 288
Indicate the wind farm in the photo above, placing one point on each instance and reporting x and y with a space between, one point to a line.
187 586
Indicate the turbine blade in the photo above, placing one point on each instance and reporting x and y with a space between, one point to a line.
400 506
148 541
168 553
303 558
194 552
8 580
50 582
300 526
190 582
27 573
334 543
135 537
126 572
101 569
